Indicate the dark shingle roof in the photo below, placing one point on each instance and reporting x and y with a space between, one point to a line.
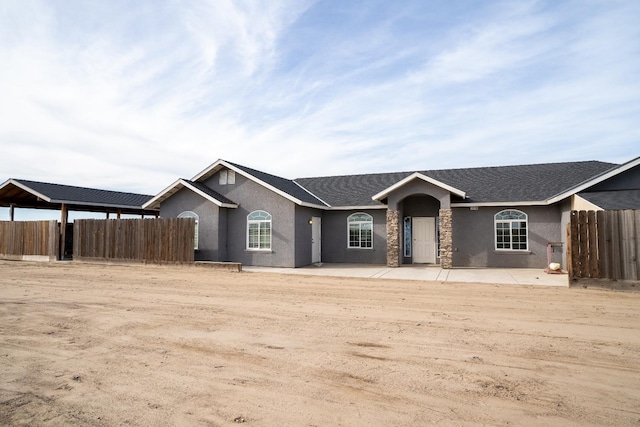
351 190
209 191
612 200
520 183
86 196
482 185
285 185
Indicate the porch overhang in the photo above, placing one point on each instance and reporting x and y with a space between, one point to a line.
417 176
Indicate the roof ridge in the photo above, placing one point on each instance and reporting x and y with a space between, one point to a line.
460 169
249 169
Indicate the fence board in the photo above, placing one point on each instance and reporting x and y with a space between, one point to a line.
604 245
20 239
574 244
592 256
161 240
636 222
628 245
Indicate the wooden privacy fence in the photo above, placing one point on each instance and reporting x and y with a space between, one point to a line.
604 245
28 240
161 240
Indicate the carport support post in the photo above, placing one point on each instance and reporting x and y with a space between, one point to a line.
393 239
446 238
64 217
12 208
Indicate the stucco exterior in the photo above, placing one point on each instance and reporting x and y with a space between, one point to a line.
250 197
303 242
211 243
450 219
474 238
335 234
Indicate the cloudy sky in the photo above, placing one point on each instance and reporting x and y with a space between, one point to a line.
130 95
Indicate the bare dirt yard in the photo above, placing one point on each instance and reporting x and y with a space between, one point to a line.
94 345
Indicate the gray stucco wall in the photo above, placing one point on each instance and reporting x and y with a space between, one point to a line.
334 238
303 234
250 197
222 232
209 245
474 241
565 212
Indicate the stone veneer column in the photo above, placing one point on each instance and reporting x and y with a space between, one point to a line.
393 239
446 239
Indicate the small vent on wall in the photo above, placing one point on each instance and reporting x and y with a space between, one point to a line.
227 176
473 208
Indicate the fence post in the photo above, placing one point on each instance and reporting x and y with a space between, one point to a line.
593 245
628 239
574 246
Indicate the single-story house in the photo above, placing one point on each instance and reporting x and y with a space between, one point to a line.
507 216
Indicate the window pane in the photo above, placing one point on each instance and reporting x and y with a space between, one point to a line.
354 235
259 230
360 226
365 238
511 230
361 217
253 235
265 235
259 215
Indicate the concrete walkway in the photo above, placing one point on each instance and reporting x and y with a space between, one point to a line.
512 276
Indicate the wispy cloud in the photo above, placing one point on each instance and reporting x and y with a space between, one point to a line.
132 95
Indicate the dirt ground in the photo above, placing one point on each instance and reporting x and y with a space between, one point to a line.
91 344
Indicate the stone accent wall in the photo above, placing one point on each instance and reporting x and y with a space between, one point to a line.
393 239
446 239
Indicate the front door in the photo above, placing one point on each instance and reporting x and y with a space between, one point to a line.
424 240
316 232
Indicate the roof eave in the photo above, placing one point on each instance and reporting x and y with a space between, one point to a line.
25 188
177 186
161 196
358 207
209 197
500 204
210 170
314 206
596 180
104 205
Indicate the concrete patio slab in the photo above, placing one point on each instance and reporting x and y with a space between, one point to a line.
507 276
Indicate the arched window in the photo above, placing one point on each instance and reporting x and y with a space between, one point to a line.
190 214
360 230
511 230
259 231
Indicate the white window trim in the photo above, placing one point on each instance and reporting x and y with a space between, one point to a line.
359 222
509 221
196 231
260 221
